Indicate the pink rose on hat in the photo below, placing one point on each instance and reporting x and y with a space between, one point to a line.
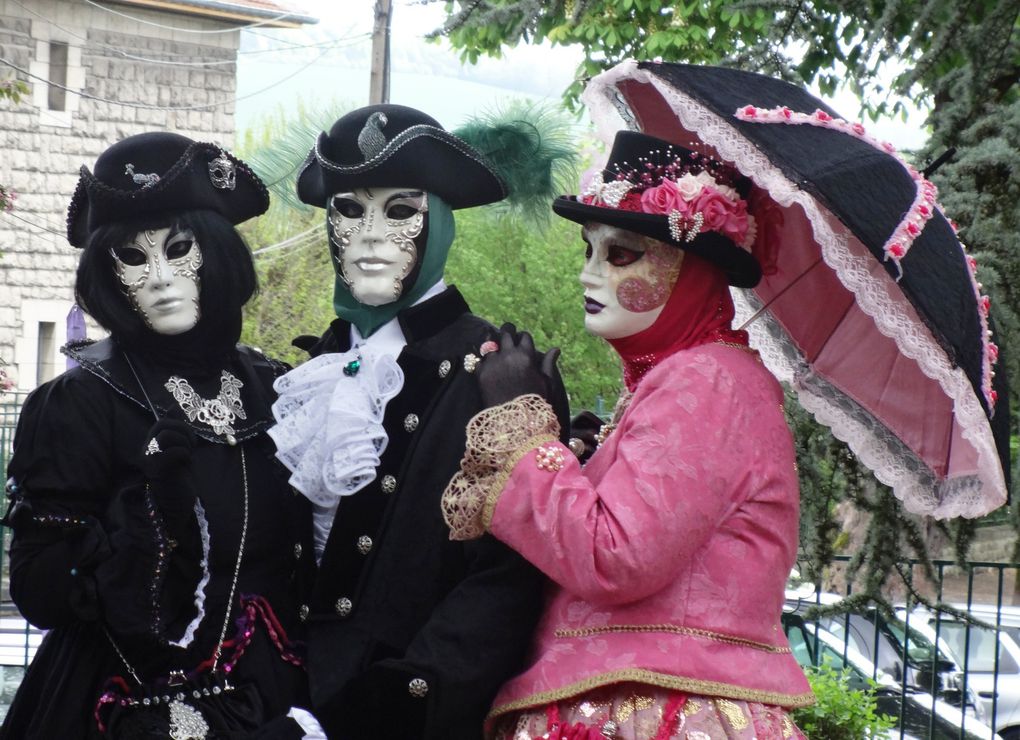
663 198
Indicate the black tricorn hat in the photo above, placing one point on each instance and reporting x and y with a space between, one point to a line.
629 157
159 172
395 146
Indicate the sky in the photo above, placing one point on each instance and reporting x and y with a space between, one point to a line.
424 75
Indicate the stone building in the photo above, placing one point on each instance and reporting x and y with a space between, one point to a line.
97 72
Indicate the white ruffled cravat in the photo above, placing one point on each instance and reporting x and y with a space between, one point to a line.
329 427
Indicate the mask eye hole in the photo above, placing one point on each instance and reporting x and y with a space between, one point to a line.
348 208
400 211
588 251
130 256
178 249
619 256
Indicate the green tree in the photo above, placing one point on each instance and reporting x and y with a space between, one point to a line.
509 271
289 241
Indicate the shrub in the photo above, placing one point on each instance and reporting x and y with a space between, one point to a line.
841 713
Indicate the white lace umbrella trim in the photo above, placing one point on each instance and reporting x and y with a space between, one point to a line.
329 431
970 495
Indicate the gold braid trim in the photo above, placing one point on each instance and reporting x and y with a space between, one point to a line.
497 438
713 689
692 631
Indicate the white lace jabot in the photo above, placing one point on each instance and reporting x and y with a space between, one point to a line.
329 431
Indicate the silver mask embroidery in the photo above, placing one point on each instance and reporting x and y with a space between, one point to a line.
372 239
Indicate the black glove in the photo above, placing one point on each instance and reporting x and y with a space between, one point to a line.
584 427
164 462
516 369
167 449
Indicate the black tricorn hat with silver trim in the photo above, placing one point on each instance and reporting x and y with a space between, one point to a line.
159 172
396 146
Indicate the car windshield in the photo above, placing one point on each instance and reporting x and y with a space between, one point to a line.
920 650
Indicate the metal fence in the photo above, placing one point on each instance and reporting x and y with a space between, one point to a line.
941 678
940 675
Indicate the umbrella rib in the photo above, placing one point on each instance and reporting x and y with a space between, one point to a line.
778 295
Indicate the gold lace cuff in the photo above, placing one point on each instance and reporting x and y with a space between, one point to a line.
497 438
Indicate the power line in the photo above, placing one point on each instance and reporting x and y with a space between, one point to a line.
291 251
307 236
61 234
88 45
191 30
147 106
292 244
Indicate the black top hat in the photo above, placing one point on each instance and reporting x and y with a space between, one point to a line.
155 173
396 146
638 163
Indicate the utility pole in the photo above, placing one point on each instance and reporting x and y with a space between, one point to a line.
379 80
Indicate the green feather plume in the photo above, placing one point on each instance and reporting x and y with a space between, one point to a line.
532 148
277 148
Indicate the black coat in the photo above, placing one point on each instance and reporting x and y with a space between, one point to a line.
411 634
88 540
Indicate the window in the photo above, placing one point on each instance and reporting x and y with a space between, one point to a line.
57 95
46 368
981 649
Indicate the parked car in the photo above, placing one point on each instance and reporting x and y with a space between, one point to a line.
929 665
982 652
924 717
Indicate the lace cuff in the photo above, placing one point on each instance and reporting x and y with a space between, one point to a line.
497 438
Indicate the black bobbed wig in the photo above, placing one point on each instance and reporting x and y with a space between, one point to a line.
227 274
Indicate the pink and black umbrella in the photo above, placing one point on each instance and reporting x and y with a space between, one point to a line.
869 305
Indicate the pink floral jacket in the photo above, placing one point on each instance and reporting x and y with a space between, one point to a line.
669 550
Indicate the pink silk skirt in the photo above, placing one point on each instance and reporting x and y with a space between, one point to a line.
633 711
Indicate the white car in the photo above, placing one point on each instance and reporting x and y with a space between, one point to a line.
906 654
924 716
977 650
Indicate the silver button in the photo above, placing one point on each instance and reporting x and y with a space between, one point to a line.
410 422
364 544
303 612
297 550
344 606
389 484
444 368
418 688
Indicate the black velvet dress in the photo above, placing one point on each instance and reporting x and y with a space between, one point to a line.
96 560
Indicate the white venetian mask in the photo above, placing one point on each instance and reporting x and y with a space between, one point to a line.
159 271
373 232
627 279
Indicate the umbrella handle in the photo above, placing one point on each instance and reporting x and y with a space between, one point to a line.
941 160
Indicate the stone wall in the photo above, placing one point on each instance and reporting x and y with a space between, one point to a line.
41 150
